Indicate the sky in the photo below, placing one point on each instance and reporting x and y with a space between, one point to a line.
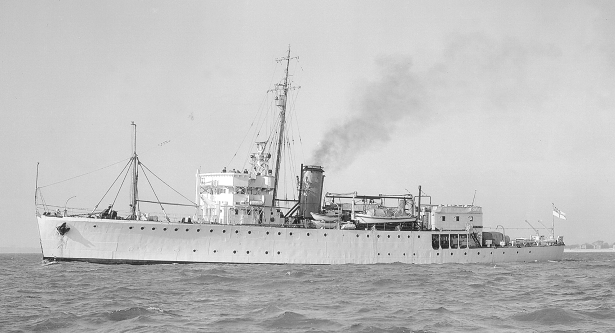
507 103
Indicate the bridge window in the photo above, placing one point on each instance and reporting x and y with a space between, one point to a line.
442 218
457 218
463 241
444 241
435 241
453 241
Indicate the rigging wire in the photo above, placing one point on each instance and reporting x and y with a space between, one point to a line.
43 199
247 132
299 134
144 166
127 165
268 121
155 195
74 177
121 185
256 130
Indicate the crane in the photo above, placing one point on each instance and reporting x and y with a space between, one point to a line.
551 237
536 231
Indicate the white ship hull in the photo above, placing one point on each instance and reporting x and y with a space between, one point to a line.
144 242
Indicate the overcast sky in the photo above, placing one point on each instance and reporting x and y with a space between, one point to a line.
513 99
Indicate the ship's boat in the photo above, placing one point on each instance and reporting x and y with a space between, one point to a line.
326 224
237 216
369 219
326 217
348 226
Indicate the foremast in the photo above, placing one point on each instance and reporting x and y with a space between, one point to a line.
134 193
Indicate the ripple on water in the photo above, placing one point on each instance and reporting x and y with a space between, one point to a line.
291 320
548 316
129 313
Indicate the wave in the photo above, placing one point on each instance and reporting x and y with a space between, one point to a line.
439 310
210 278
298 322
385 282
548 316
547 297
59 323
271 308
603 313
133 312
376 329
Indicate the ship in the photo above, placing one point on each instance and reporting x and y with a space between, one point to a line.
238 217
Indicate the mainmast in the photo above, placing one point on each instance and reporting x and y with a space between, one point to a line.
282 90
134 192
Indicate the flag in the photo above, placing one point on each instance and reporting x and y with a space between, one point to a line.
559 214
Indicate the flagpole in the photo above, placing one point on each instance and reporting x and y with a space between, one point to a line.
553 210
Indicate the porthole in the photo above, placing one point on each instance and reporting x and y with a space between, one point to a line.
142 227
490 253
249 232
278 252
517 252
325 234
438 253
398 236
223 231
130 227
477 253
211 231
389 236
357 235
234 252
214 251
378 253
413 254
367 235
404 254
164 229
266 252
194 250
176 228
419 236
198 230
528 252
94 225
308 234
153 228
388 253
503 252
290 233
464 253
247 252
267 232
378 236
186 230
451 253
279 233
236 231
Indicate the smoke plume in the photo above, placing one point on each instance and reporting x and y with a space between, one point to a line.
477 77
377 112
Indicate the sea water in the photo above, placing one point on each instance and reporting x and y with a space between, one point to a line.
572 295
